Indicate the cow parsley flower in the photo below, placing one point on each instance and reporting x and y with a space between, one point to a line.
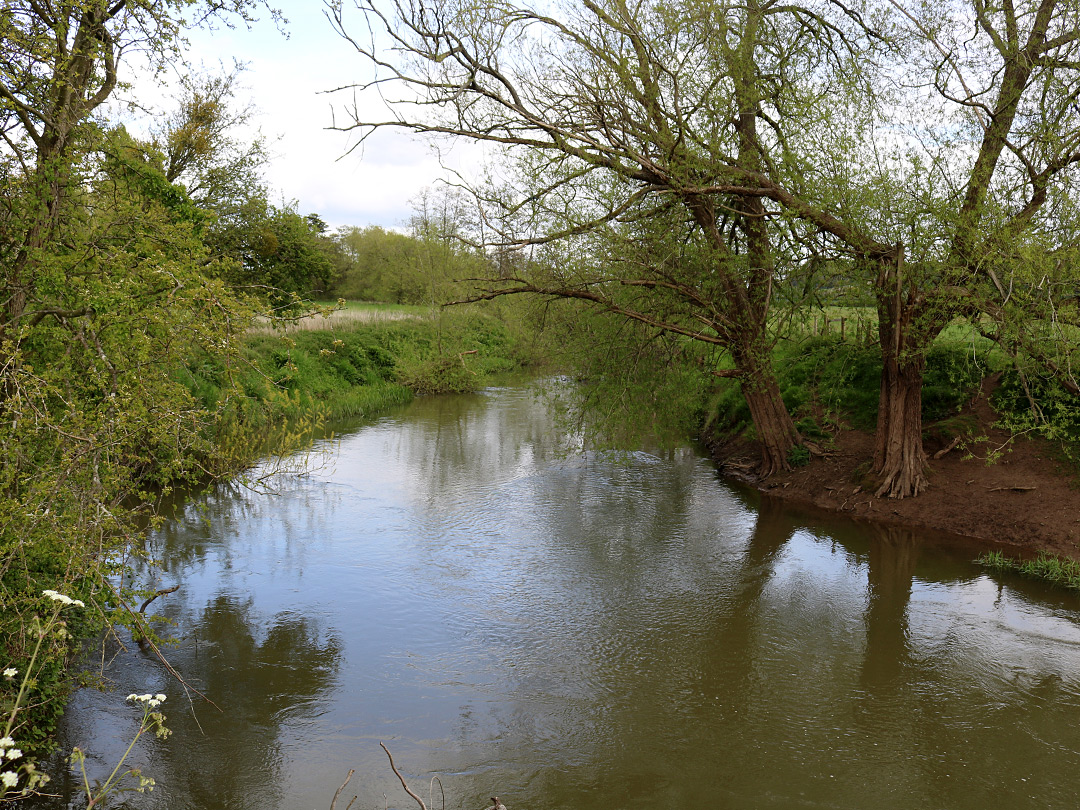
63 599
9 778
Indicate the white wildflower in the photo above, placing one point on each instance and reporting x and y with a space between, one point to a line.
153 701
10 673
14 753
9 778
63 599
6 742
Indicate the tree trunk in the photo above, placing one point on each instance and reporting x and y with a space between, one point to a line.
899 458
775 428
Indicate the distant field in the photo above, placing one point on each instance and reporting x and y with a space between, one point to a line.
353 313
861 323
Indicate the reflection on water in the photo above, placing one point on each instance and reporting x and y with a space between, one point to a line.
560 632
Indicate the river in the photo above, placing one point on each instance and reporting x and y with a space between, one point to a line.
566 631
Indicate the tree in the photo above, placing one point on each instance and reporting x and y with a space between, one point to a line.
98 419
201 148
379 264
920 151
1011 86
420 268
60 62
617 114
280 254
954 188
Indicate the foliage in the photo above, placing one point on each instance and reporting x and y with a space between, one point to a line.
1041 405
356 368
386 266
799 456
826 381
281 254
96 422
1061 571
634 384
199 148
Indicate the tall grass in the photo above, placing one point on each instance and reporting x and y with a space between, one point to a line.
344 318
1060 571
366 360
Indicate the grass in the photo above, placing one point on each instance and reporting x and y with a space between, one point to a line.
826 381
343 318
368 359
860 323
1060 571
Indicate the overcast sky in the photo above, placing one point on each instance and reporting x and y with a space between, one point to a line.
286 78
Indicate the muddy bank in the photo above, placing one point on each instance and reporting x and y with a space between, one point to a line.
1025 497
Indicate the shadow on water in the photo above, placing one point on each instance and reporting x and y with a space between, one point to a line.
263 676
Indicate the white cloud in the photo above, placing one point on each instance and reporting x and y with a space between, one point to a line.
287 79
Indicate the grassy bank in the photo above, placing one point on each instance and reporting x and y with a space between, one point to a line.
364 360
829 383
1064 573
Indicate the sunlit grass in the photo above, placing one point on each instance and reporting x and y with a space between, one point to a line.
348 316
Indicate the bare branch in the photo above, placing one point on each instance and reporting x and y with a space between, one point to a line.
401 778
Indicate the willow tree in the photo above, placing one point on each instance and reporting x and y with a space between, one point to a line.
615 113
991 132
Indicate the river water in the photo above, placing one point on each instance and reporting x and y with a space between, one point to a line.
572 631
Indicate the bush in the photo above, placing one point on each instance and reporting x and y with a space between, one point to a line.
1057 417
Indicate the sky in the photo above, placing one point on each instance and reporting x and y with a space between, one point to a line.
286 79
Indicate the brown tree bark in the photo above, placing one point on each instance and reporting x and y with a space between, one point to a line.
775 428
899 458
746 336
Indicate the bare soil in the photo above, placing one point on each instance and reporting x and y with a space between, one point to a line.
992 486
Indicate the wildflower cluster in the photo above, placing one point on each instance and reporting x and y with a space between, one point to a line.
153 701
13 773
18 775
63 599
151 721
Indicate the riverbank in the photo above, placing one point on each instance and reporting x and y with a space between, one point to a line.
992 486
356 366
